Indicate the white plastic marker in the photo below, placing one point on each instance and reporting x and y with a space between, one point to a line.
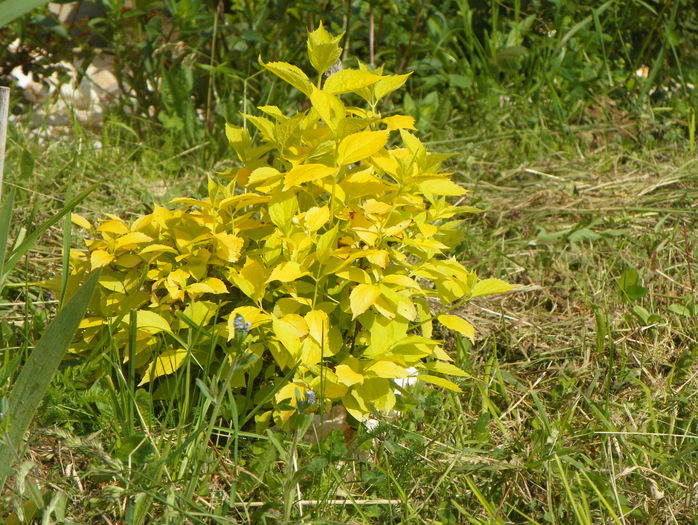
4 110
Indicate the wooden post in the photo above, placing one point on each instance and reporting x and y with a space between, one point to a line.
4 111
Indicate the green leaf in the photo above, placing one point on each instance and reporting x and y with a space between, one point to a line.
5 220
38 371
12 9
631 286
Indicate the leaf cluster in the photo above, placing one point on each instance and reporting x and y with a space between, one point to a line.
329 240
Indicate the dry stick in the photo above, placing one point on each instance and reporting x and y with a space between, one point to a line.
4 110
371 30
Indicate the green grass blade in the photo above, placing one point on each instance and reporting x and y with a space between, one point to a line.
38 371
5 219
19 251
13 9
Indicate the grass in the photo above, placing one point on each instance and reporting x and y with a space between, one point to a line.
582 404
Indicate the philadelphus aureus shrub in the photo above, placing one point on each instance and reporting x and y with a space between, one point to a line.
329 241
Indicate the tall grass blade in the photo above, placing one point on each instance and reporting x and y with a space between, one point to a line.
19 251
5 219
4 111
38 371
13 9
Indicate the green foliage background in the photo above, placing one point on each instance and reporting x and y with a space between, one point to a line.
582 404
190 65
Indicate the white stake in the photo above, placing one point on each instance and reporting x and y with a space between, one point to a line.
4 110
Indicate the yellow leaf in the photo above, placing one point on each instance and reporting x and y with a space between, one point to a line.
405 308
250 314
282 207
399 122
355 274
150 322
439 353
264 125
388 84
100 258
347 376
91 322
265 174
166 363
112 283
454 322
291 391
310 352
329 385
375 207
273 111
131 239
316 217
329 107
326 244
158 248
286 272
441 186
387 369
228 246
439 381
318 327
289 330
490 287
376 392
113 226
210 285
349 80
128 260
361 145
400 280
446 368
323 49
362 297
287 334
379 258
252 279
356 406
199 312
306 173
81 221
291 74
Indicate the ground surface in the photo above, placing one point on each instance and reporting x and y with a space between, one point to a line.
582 404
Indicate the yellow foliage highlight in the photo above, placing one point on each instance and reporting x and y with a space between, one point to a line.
329 239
